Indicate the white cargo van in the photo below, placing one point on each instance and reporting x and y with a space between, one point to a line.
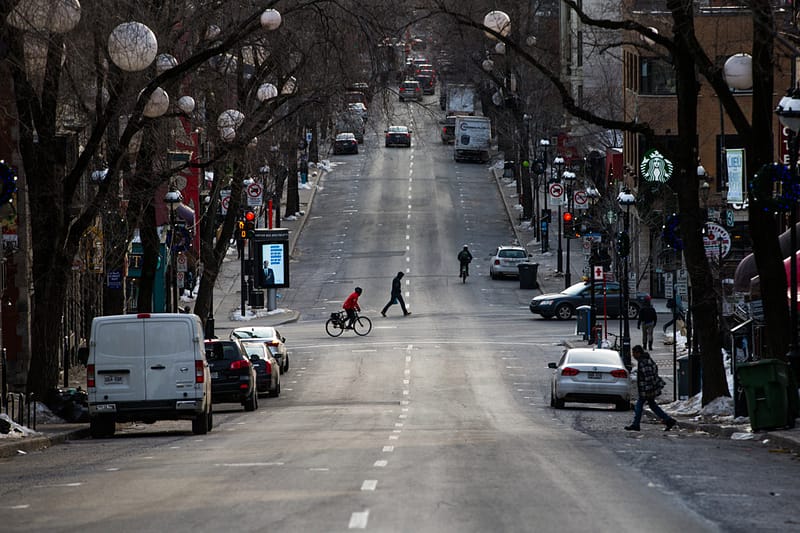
147 367
473 139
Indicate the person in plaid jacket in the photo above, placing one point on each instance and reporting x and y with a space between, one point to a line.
649 385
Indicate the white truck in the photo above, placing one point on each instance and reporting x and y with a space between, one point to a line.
147 367
460 99
473 139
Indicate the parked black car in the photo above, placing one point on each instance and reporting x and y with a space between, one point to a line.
233 377
562 304
268 370
345 143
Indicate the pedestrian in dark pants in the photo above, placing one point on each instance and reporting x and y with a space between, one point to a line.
647 322
649 385
397 296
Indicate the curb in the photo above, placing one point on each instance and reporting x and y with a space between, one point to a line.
32 444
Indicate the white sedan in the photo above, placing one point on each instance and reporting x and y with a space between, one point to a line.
590 375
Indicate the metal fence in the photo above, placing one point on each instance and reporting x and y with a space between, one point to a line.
21 408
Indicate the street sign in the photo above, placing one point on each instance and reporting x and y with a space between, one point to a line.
308 136
182 263
556 191
580 199
598 272
254 191
225 200
717 241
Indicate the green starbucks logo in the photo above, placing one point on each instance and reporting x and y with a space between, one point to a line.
656 167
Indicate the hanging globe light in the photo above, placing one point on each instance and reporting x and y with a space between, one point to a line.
500 48
266 91
132 46
290 86
738 71
57 16
164 62
499 22
270 19
227 134
230 118
186 104
157 104
212 32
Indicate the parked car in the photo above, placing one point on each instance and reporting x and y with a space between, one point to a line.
448 131
398 136
590 375
350 121
233 377
345 143
147 367
410 90
273 338
562 304
506 260
268 371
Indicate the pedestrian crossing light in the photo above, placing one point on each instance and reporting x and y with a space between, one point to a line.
241 233
249 225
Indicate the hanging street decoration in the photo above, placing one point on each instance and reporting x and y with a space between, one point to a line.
773 188
8 182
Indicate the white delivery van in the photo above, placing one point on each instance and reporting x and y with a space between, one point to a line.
473 139
147 367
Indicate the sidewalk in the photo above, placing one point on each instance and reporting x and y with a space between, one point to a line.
552 281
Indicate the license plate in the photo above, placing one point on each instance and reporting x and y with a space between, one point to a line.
214 375
113 380
595 375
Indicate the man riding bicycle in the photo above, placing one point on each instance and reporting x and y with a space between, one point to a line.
464 258
350 306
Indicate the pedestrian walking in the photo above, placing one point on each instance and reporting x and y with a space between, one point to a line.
397 296
649 385
676 306
647 322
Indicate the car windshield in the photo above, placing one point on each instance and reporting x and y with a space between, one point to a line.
254 333
397 129
574 290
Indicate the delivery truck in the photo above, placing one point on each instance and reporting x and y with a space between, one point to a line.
473 139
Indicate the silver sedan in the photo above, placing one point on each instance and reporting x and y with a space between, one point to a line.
590 375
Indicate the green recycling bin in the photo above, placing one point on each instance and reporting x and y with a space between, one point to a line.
771 402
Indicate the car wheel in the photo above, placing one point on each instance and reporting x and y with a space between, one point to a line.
558 403
552 399
276 391
387 145
200 424
286 363
564 311
633 311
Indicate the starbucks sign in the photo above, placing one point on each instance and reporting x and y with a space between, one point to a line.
656 167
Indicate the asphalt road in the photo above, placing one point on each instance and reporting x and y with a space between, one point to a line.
437 422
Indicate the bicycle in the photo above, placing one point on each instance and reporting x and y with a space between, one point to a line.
463 274
337 323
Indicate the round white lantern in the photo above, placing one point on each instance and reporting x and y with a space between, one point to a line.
57 16
213 32
164 62
530 40
648 40
738 71
498 21
157 104
270 19
266 91
500 48
230 118
227 134
487 65
186 104
132 46
253 142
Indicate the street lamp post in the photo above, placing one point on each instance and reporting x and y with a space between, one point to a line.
569 180
593 195
544 144
172 199
625 199
788 112
558 163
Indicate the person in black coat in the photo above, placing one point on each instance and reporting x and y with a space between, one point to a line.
647 322
397 296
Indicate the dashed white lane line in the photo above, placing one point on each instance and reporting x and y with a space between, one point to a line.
402 416
369 484
405 393
388 449
359 520
380 463
398 424
322 469
248 465
393 437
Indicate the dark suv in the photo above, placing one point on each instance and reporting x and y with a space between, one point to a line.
233 378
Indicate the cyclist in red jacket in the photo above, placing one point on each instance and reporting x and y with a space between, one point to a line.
351 306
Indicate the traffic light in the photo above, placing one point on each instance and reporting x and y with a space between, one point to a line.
569 225
241 233
249 225
623 244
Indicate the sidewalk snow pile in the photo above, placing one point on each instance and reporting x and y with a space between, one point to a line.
250 314
11 430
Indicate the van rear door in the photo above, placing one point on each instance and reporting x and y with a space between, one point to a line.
171 348
119 359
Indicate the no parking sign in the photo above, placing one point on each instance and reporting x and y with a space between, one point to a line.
556 191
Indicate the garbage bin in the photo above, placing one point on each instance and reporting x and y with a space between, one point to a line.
257 299
583 320
683 377
527 275
766 386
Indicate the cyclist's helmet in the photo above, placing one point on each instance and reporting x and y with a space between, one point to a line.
359 290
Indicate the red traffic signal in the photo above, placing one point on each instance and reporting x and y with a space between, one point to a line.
567 217
249 224
250 216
